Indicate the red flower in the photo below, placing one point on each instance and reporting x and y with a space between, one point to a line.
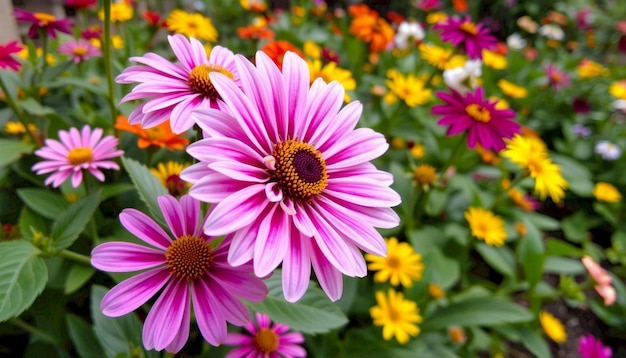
6 60
41 20
80 4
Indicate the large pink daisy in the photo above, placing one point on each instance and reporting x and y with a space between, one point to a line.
77 151
265 340
174 90
471 112
190 268
474 37
290 176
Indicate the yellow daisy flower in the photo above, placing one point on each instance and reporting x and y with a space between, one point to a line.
486 226
511 89
330 72
418 151
191 25
425 175
436 291
440 57
169 175
398 317
589 69
401 266
409 88
606 192
312 50
494 60
522 149
548 179
120 12
436 17
17 128
553 328
618 89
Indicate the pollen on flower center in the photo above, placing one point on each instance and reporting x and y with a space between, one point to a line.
478 112
189 257
266 340
80 155
80 51
469 28
155 133
44 19
393 262
200 82
300 170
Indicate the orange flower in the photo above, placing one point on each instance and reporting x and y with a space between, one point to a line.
374 30
602 280
277 49
361 10
459 5
159 136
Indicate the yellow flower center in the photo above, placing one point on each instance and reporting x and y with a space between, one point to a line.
80 155
393 262
44 19
300 170
425 174
80 51
266 340
200 82
394 315
189 257
556 77
155 133
478 112
469 28
535 167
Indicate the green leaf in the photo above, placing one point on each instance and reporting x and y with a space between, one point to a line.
30 222
443 270
500 258
44 202
81 334
556 247
68 226
531 254
148 186
563 265
313 313
31 106
112 190
12 150
480 312
534 343
576 226
77 276
23 276
607 211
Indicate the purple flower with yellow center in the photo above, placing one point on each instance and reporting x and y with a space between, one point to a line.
471 112
190 269
75 152
265 340
175 90
79 50
590 347
557 78
43 21
290 176
474 37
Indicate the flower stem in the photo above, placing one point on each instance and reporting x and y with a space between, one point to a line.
34 330
454 154
74 256
108 59
17 110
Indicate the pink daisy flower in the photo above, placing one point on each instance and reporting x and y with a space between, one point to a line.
557 78
265 340
176 89
44 21
77 151
80 50
290 176
473 113
474 37
590 347
191 269
6 58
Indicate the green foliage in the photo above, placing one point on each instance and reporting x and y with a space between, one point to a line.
147 185
71 222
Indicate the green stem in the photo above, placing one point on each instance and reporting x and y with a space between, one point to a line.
34 330
17 110
454 154
74 256
108 60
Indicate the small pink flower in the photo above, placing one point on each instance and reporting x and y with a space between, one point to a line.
41 20
590 347
265 340
474 37
80 50
602 279
6 58
77 151
190 269
557 78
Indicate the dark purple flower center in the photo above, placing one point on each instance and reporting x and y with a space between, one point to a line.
189 257
300 170
266 340
200 82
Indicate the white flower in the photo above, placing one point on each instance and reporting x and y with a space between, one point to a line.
515 41
407 31
619 104
456 77
551 31
608 150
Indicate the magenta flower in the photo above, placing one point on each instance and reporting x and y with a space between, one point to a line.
590 347
77 151
191 269
6 58
265 340
176 89
80 50
557 78
290 177
477 115
44 21
474 37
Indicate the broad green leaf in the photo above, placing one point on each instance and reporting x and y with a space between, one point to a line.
531 254
112 190
44 202
81 334
500 258
31 222
534 343
441 269
23 276
31 106
69 224
12 150
480 312
557 247
563 265
541 221
607 211
148 186
77 276
576 226
313 313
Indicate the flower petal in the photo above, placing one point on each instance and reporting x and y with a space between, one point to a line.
167 316
142 226
128 295
109 255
